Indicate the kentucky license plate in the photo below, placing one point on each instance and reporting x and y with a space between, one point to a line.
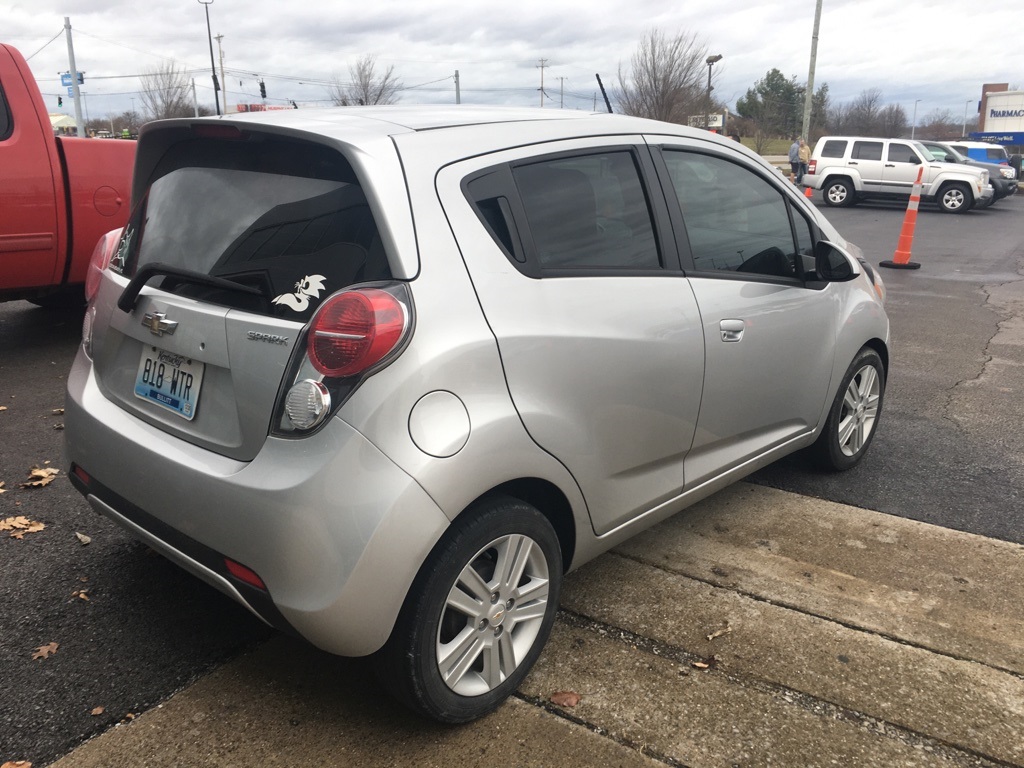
169 380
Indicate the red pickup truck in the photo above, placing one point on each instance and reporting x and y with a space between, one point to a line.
58 195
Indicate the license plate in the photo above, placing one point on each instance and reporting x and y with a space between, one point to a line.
169 380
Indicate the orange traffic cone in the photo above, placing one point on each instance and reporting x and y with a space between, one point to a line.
901 259
808 192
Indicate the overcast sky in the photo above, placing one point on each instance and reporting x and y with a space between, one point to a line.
938 51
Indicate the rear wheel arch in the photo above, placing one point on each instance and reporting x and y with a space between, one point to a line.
837 180
549 500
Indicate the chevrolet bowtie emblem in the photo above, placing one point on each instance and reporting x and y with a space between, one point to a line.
158 323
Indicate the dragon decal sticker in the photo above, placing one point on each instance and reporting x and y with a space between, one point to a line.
307 288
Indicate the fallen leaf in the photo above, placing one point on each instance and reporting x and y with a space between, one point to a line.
83 538
128 718
4 408
711 662
20 525
2 484
718 633
46 651
58 426
15 763
565 698
40 477
81 594
96 711
57 411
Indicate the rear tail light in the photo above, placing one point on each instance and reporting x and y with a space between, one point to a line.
353 334
105 249
354 330
812 166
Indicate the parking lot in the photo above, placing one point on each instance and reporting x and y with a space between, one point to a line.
871 618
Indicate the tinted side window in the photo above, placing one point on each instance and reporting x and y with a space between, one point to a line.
901 153
833 148
6 126
588 212
735 220
867 150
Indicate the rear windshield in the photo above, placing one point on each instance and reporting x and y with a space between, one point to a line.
288 218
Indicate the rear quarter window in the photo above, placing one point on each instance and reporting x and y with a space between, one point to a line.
833 148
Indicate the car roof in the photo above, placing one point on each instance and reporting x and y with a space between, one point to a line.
355 126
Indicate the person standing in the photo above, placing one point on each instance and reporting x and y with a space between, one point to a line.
805 159
794 160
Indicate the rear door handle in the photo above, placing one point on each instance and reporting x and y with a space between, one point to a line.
732 330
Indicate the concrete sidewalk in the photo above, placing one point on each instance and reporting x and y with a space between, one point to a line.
758 628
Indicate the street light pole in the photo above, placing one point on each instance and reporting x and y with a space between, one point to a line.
913 126
213 67
710 61
963 131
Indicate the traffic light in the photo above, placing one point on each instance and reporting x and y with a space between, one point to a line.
263 90
60 101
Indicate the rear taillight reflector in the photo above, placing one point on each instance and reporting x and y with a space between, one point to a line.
246 575
355 330
812 166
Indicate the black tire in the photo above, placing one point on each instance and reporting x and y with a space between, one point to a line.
490 652
853 418
839 193
955 197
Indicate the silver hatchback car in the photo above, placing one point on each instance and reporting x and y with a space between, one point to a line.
384 375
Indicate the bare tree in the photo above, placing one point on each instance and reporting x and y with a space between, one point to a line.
892 121
666 78
366 86
865 112
166 92
943 125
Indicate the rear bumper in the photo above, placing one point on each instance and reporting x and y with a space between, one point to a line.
332 526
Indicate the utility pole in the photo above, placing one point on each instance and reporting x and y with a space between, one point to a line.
543 63
79 125
195 101
213 69
561 93
458 94
223 82
805 126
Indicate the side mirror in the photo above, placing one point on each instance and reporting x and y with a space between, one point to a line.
832 264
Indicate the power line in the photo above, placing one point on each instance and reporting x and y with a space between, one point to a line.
44 47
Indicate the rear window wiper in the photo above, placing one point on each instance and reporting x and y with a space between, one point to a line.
126 303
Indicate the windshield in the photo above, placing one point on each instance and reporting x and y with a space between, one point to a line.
939 152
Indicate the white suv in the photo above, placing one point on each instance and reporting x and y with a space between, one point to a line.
851 168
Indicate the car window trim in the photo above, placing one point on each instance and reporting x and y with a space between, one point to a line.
522 235
679 223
